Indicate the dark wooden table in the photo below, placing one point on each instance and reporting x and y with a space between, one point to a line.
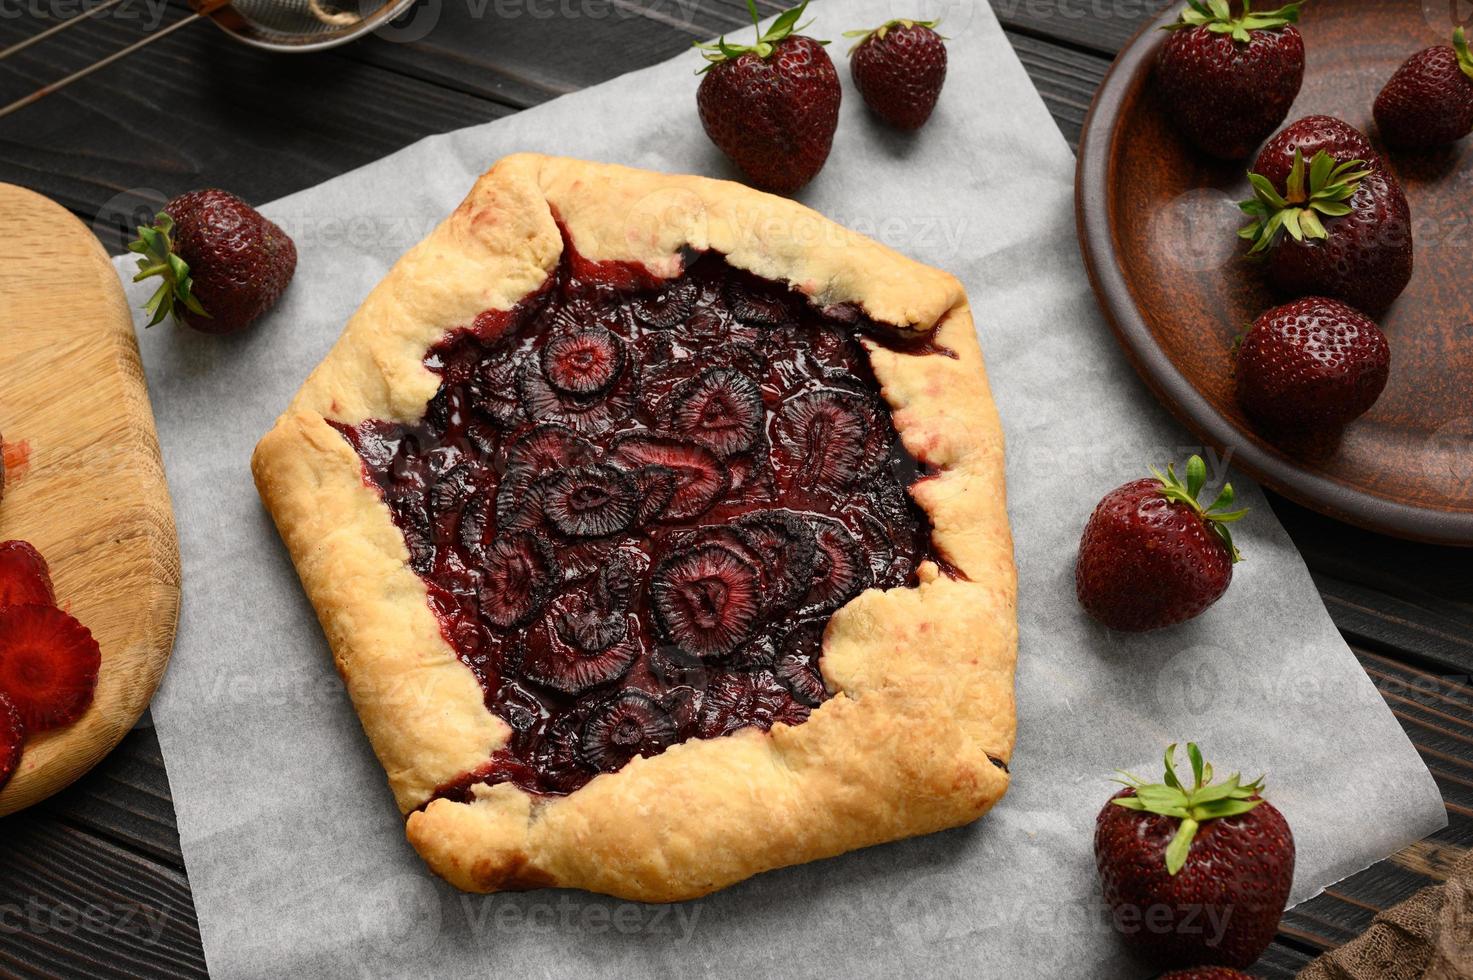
92 882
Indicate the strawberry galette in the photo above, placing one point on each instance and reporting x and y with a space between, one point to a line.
657 526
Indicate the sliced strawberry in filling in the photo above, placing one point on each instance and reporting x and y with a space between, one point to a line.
737 700
700 475
797 667
787 549
548 446
584 363
518 573
635 510
722 410
666 307
623 726
756 302
840 571
557 659
706 600
590 501
823 438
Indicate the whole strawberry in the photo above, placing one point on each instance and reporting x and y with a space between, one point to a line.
1206 973
1312 365
771 107
1310 136
1227 81
1151 556
1429 101
1335 226
222 263
1194 874
899 68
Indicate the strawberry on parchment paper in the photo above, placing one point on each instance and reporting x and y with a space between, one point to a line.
899 68
771 106
222 264
1195 874
1152 556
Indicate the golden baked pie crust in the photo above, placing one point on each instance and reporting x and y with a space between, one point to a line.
921 724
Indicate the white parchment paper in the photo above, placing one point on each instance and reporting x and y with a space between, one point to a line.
294 848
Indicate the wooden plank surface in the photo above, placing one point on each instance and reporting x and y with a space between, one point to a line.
197 109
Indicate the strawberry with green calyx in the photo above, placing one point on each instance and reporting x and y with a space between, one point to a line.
1429 101
1226 81
1321 188
1186 493
155 245
223 263
1217 852
771 106
1151 556
1217 17
1336 226
1192 807
899 68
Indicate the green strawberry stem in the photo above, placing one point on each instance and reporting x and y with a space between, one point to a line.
1186 493
155 247
786 25
1321 189
1194 806
1460 45
1217 16
878 33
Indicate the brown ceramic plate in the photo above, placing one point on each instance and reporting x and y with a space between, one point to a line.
1157 225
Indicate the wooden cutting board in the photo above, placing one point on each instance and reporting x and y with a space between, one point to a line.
85 483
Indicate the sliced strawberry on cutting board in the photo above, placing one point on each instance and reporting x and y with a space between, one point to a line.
12 739
25 578
48 665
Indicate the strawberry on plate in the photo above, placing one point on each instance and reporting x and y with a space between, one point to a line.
1312 365
771 106
1429 101
1309 136
1336 225
48 665
1152 556
12 739
25 578
222 263
1195 874
1226 81
899 68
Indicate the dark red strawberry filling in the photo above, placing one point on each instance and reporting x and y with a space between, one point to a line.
636 504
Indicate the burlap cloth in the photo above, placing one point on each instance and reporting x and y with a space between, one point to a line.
1427 937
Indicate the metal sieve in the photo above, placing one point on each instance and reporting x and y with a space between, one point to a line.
275 25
